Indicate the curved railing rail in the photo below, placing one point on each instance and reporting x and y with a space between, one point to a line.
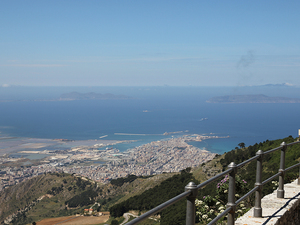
191 189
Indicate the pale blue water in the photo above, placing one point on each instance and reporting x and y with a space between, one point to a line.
28 156
168 110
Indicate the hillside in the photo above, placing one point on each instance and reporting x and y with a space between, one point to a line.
53 194
248 172
157 195
112 194
44 196
152 197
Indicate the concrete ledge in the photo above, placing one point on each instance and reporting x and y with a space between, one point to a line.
277 211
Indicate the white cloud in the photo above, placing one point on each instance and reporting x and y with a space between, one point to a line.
5 85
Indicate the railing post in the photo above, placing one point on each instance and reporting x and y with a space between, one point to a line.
190 207
258 182
231 194
280 191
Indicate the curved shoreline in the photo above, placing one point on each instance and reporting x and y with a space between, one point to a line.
156 157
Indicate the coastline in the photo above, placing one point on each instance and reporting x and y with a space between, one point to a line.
9 145
23 145
106 163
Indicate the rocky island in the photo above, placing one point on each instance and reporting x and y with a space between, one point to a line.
251 99
90 95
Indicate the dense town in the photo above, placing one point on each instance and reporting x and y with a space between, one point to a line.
170 155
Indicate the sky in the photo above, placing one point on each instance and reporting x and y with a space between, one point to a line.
149 43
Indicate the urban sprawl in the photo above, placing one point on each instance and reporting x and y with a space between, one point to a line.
169 155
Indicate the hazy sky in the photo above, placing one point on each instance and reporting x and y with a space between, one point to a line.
157 42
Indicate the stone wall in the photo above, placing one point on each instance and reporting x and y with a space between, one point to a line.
279 211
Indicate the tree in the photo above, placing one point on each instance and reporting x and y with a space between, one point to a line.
241 145
114 222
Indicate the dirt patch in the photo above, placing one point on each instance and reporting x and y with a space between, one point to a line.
75 220
87 220
52 221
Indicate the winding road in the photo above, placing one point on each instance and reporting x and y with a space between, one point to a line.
127 216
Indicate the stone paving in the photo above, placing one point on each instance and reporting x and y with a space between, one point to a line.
275 210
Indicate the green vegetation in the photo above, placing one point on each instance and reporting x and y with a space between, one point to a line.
44 196
149 221
157 195
130 178
120 181
63 194
114 222
270 161
82 199
209 206
176 213
248 172
113 194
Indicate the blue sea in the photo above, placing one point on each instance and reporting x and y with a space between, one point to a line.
148 114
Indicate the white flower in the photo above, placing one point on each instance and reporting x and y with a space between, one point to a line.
211 211
225 191
209 219
221 208
242 205
198 202
237 195
218 203
206 207
239 211
221 211
204 216
244 208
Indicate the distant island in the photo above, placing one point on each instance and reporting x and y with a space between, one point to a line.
73 96
91 95
251 99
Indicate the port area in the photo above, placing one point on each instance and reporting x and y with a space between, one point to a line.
100 161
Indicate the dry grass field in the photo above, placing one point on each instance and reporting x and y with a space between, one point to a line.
74 220
51 221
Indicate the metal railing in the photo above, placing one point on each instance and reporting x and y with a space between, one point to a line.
191 189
